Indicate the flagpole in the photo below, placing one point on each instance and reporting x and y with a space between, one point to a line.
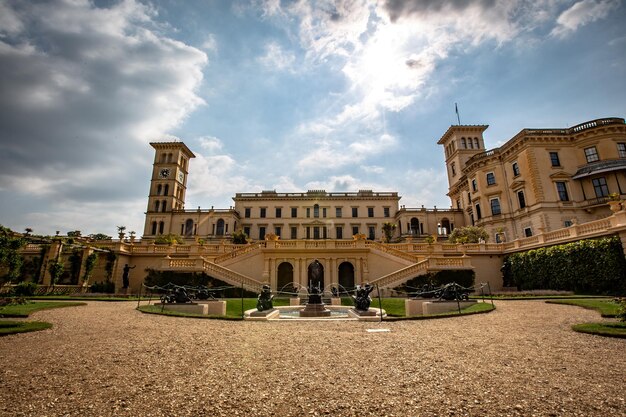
456 109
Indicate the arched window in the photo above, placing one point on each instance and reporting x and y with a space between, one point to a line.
161 227
469 143
156 205
189 227
154 228
163 156
415 226
476 143
220 227
159 189
445 227
166 189
463 144
169 157
316 210
163 206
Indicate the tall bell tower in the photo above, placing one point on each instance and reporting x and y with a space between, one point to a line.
167 186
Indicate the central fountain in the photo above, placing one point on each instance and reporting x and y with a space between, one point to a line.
315 307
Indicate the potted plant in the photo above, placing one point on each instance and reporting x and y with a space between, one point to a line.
614 202
120 232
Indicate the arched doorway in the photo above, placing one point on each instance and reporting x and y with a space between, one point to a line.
189 227
415 226
445 226
220 227
316 275
284 280
346 276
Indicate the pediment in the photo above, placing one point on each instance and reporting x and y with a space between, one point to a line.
517 184
560 175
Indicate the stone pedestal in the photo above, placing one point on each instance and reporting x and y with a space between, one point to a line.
415 306
215 308
315 310
294 301
335 301
363 313
437 307
264 313
189 308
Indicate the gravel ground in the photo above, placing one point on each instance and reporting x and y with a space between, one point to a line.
106 359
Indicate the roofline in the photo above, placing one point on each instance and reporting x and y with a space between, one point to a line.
170 145
467 128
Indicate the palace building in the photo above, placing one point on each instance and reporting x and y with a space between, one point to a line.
542 187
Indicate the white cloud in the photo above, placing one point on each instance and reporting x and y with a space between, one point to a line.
210 143
582 13
276 58
373 169
210 43
217 176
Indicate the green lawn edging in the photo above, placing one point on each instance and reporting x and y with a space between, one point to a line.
617 329
24 310
606 307
13 327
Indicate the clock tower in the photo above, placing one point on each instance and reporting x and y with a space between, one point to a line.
167 186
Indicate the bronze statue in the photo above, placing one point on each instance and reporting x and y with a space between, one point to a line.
125 280
265 299
362 299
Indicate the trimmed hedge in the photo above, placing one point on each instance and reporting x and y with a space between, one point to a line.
593 266
463 277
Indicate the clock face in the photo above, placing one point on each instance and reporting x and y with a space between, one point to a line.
164 173
181 176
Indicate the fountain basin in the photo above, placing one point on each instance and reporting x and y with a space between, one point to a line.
292 313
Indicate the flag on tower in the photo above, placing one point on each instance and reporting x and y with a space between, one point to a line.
456 109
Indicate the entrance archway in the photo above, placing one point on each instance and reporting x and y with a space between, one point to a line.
316 278
415 226
346 275
189 227
445 227
285 277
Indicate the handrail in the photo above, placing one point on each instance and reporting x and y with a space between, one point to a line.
391 251
232 277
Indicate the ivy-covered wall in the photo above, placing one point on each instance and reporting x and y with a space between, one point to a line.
593 266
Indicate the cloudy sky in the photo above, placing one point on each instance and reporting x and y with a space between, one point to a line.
285 95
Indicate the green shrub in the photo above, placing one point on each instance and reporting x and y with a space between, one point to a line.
621 313
463 277
585 267
106 287
25 289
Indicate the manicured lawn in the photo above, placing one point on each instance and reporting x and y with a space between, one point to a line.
12 327
602 329
606 307
24 310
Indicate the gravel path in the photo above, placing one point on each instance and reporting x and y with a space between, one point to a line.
106 359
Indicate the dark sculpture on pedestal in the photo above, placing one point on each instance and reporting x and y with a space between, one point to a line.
362 298
265 298
314 306
179 296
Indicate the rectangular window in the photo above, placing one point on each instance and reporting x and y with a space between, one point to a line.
308 233
495 207
355 212
453 168
491 178
528 232
308 212
247 212
386 212
567 223
263 210
261 232
277 231
324 233
370 212
294 212
316 211
372 232
355 230
554 159
246 231
515 169
478 213
294 232
621 149
521 199
562 191
337 211
316 232
591 154
474 187
600 187
339 232
324 212
279 212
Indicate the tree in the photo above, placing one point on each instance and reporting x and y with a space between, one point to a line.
9 252
240 238
469 234
28 231
169 239
388 229
56 270
90 264
74 233
76 260
99 236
